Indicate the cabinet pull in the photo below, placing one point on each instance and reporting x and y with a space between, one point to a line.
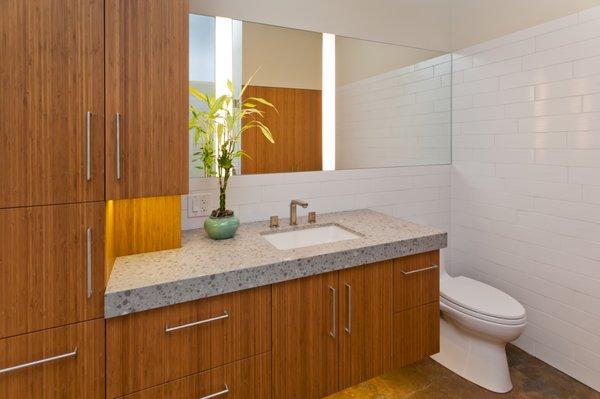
348 327
420 270
225 315
217 394
118 145
38 362
88 146
89 262
333 331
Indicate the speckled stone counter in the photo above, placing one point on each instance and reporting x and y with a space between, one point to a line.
203 267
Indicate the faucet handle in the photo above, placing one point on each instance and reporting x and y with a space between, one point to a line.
312 217
274 222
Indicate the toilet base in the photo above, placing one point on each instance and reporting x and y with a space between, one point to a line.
478 360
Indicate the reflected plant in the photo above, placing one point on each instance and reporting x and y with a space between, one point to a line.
218 131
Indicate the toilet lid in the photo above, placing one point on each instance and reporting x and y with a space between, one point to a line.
481 298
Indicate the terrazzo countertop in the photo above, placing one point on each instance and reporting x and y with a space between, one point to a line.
203 267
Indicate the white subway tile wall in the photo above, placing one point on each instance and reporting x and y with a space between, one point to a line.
400 117
420 194
525 189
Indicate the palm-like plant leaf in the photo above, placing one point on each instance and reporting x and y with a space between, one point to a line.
218 127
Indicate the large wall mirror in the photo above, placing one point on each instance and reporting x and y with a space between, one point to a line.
340 103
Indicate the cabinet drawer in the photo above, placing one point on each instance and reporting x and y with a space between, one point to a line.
245 379
149 348
416 334
416 280
51 266
68 362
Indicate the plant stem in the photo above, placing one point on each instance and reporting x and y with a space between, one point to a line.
222 201
223 191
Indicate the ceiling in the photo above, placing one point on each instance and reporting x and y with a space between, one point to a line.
431 24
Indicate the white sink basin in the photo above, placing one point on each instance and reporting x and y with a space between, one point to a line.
309 236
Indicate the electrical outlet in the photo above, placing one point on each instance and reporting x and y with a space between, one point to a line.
198 205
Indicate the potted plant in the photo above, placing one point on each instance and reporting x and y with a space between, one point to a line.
217 129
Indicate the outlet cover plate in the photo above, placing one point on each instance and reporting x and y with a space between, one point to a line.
198 205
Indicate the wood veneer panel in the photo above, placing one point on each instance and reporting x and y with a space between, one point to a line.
305 355
43 266
76 377
296 128
416 334
140 354
308 154
246 379
365 308
147 224
147 83
419 288
267 157
51 74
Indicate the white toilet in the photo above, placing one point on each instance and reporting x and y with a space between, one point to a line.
477 322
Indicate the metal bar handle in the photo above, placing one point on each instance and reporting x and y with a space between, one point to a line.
420 270
89 262
225 315
118 144
333 331
217 394
88 146
38 362
348 327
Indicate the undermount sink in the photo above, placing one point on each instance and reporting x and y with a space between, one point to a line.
305 237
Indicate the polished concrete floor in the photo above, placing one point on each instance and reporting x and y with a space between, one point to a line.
531 378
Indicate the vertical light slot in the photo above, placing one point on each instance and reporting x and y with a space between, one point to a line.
223 59
328 101
223 54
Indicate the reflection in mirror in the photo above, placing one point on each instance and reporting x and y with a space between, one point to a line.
288 62
341 103
393 105
201 69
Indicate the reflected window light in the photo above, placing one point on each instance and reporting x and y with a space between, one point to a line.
223 54
328 101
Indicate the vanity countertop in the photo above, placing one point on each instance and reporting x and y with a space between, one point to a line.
203 267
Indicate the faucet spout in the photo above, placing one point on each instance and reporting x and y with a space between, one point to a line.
293 210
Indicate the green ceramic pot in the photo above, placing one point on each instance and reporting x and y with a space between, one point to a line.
221 228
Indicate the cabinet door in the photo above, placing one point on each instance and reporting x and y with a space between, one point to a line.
365 322
51 268
147 98
51 76
305 344
246 379
68 363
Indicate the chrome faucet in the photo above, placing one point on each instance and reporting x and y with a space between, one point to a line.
293 213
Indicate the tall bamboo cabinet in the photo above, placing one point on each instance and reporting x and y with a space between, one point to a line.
93 108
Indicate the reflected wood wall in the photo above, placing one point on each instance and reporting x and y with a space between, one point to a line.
296 128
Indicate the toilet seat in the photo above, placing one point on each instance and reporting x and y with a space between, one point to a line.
480 316
481 301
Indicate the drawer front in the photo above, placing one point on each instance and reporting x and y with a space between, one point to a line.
416 334
150 348
51 266
416 280
244 379
62 363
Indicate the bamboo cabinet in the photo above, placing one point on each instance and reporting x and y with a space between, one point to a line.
146 98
